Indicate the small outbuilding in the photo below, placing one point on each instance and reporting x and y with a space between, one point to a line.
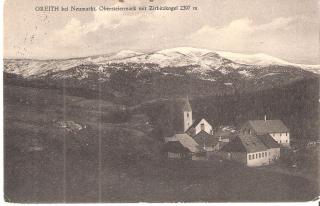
183 146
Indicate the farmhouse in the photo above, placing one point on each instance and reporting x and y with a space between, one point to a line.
272 145
252 150
275 128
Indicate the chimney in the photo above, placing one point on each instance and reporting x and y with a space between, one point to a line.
265 117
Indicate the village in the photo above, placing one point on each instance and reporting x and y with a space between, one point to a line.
256 143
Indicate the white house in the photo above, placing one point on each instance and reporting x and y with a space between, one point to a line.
252 151
272 145
198 126
275 128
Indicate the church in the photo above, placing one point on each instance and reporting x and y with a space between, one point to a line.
192 138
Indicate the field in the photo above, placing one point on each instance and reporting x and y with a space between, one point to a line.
61 148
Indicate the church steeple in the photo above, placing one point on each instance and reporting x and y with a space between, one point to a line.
187 114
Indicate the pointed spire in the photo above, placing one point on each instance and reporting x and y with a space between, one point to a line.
186 105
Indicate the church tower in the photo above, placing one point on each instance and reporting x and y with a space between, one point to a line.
187 115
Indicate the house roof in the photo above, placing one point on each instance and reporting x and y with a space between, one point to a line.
245 143
268 126
194 124
203 138
268 141
186 141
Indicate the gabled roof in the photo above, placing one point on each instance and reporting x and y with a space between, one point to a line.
268 141
234 146
186 141
268 126
203 138
245 143
194 124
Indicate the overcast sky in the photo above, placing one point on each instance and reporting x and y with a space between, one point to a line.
288 29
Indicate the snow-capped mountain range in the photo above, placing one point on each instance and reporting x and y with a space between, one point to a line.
201 60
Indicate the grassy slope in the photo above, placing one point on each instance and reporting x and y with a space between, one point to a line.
130 165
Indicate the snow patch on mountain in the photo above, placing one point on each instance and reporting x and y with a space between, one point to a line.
261 59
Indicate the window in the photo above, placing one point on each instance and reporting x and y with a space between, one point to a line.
262 154
253 156
249 157
280 134
256 156
202 126
266 154
187 114
286 141
259 155
286 133
280 141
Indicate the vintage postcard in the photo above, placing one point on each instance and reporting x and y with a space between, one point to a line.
161 101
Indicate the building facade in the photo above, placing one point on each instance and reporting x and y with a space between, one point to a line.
275 128
252 150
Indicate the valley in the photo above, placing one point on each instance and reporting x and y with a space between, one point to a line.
91 129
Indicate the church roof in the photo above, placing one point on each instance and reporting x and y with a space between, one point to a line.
268 126
186 105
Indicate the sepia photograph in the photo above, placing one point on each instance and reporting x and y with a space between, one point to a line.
161 101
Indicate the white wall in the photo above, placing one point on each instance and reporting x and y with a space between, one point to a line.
207 127
174 155
260 158
282 138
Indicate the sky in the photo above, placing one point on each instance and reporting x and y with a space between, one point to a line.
287 29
